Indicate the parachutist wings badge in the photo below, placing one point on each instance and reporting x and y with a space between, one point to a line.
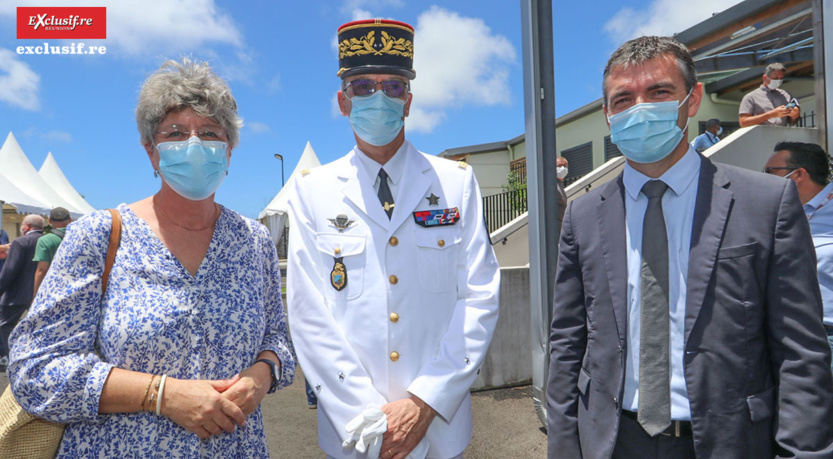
341 222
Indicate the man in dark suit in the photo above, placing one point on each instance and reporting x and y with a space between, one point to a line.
17 280
687 315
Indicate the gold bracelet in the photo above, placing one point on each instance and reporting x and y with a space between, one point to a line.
142 406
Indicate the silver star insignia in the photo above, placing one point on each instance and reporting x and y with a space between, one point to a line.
433 200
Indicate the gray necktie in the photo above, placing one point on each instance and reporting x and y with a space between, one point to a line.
385 196
654 379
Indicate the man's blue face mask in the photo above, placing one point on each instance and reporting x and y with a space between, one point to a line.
377 118
648 132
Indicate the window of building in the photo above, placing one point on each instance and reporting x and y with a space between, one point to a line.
580 160
611 150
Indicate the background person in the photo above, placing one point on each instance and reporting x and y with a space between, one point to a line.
561 172
769 104
16 280
393 284
709 138
687 314
190 335
45 250
4 246
808 166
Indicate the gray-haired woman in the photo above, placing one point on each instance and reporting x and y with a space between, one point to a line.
176 357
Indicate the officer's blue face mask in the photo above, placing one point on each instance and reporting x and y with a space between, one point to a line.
193 168
648 132
377 118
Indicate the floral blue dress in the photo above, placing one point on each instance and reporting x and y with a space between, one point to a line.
156 318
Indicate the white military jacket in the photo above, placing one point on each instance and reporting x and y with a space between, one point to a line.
420 302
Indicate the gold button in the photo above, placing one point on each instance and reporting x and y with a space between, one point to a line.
394 317
393 241
441 243
338 250
393 279
394 356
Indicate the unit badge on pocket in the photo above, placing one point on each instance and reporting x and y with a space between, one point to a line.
338 276
437 217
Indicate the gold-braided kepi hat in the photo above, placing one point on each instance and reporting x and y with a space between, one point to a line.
376 46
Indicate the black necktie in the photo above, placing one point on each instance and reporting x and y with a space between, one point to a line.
385 196
654 379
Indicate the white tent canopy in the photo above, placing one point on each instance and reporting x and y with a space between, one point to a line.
17 169
53 175
10 194
275 212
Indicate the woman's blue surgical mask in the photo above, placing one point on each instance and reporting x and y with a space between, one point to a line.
193 168
377 118
648 132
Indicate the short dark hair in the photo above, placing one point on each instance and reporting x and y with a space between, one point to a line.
712 123
58 214
642 49
810 157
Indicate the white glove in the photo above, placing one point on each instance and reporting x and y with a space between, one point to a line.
366 432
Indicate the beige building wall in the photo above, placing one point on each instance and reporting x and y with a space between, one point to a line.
490 169
593 126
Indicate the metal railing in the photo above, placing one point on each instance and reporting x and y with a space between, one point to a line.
500 209
807 120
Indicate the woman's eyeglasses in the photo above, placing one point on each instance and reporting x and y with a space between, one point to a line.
174 133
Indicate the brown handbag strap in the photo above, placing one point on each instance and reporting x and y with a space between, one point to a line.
112 248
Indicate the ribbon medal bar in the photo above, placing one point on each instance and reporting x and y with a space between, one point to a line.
437 217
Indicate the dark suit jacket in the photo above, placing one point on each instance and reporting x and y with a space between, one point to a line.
17 278
757 363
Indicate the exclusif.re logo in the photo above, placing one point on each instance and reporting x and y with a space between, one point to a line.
62 22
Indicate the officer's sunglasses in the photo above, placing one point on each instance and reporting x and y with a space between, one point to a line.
391 88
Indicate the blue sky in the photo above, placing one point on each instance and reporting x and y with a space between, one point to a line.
280 60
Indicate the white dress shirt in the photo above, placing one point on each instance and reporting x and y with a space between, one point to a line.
678 210
820 214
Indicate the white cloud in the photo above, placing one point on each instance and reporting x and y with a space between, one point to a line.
258 127
274 84
58 136
359 14
137 27
335 110
51 136
459 62
420 120
19 84
351 6
662 17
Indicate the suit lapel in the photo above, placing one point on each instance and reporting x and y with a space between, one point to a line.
611 213
361 194
711 210
413 187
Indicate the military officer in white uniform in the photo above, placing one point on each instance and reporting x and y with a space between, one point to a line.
392 281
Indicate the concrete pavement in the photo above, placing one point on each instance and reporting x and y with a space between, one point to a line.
505 424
